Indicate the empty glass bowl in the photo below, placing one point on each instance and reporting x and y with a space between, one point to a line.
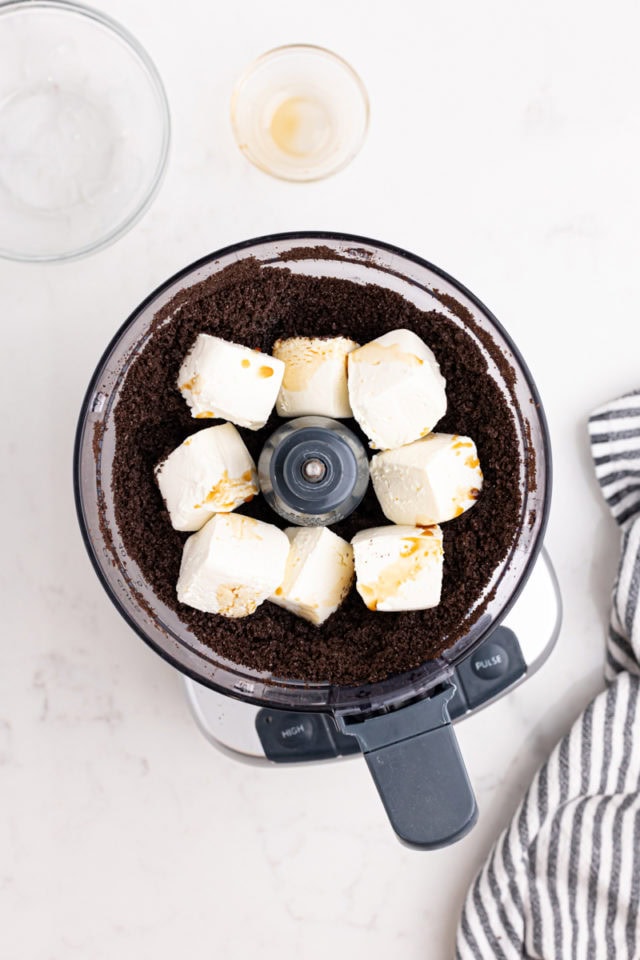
84 130
300 112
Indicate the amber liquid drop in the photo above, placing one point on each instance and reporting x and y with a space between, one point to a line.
300 126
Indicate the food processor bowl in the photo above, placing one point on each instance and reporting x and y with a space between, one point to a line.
401 722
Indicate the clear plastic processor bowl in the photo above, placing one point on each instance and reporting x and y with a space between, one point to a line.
84 130
364 262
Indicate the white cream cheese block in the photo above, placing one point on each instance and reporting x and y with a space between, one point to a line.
318 574
210 472
396 390
231 565
430 481
224 380
399 567
315 376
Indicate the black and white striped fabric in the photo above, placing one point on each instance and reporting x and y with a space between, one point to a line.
563 881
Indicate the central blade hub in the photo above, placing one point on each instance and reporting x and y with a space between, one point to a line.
313 471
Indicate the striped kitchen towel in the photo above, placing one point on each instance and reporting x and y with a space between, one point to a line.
563 881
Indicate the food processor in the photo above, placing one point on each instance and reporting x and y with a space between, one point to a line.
403 724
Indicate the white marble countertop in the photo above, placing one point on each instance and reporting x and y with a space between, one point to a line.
503 147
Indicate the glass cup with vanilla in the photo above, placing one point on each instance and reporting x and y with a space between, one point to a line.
300 113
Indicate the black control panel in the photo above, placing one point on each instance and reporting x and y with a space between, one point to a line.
288 737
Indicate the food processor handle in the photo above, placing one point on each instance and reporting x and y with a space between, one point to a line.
417 767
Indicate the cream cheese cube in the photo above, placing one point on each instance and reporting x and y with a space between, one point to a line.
315 376
224 380
318 574
396 390
399 567
211 472
430 481
231 565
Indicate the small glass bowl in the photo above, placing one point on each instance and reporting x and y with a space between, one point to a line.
84 130
300 112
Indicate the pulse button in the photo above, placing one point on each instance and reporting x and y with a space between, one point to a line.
490 662
492 668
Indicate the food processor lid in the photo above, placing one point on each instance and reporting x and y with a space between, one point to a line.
363 261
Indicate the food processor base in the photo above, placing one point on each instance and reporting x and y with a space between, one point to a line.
509 656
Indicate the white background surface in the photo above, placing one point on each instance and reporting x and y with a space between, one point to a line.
503 147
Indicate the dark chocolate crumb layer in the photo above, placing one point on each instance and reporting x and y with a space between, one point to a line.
255 306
